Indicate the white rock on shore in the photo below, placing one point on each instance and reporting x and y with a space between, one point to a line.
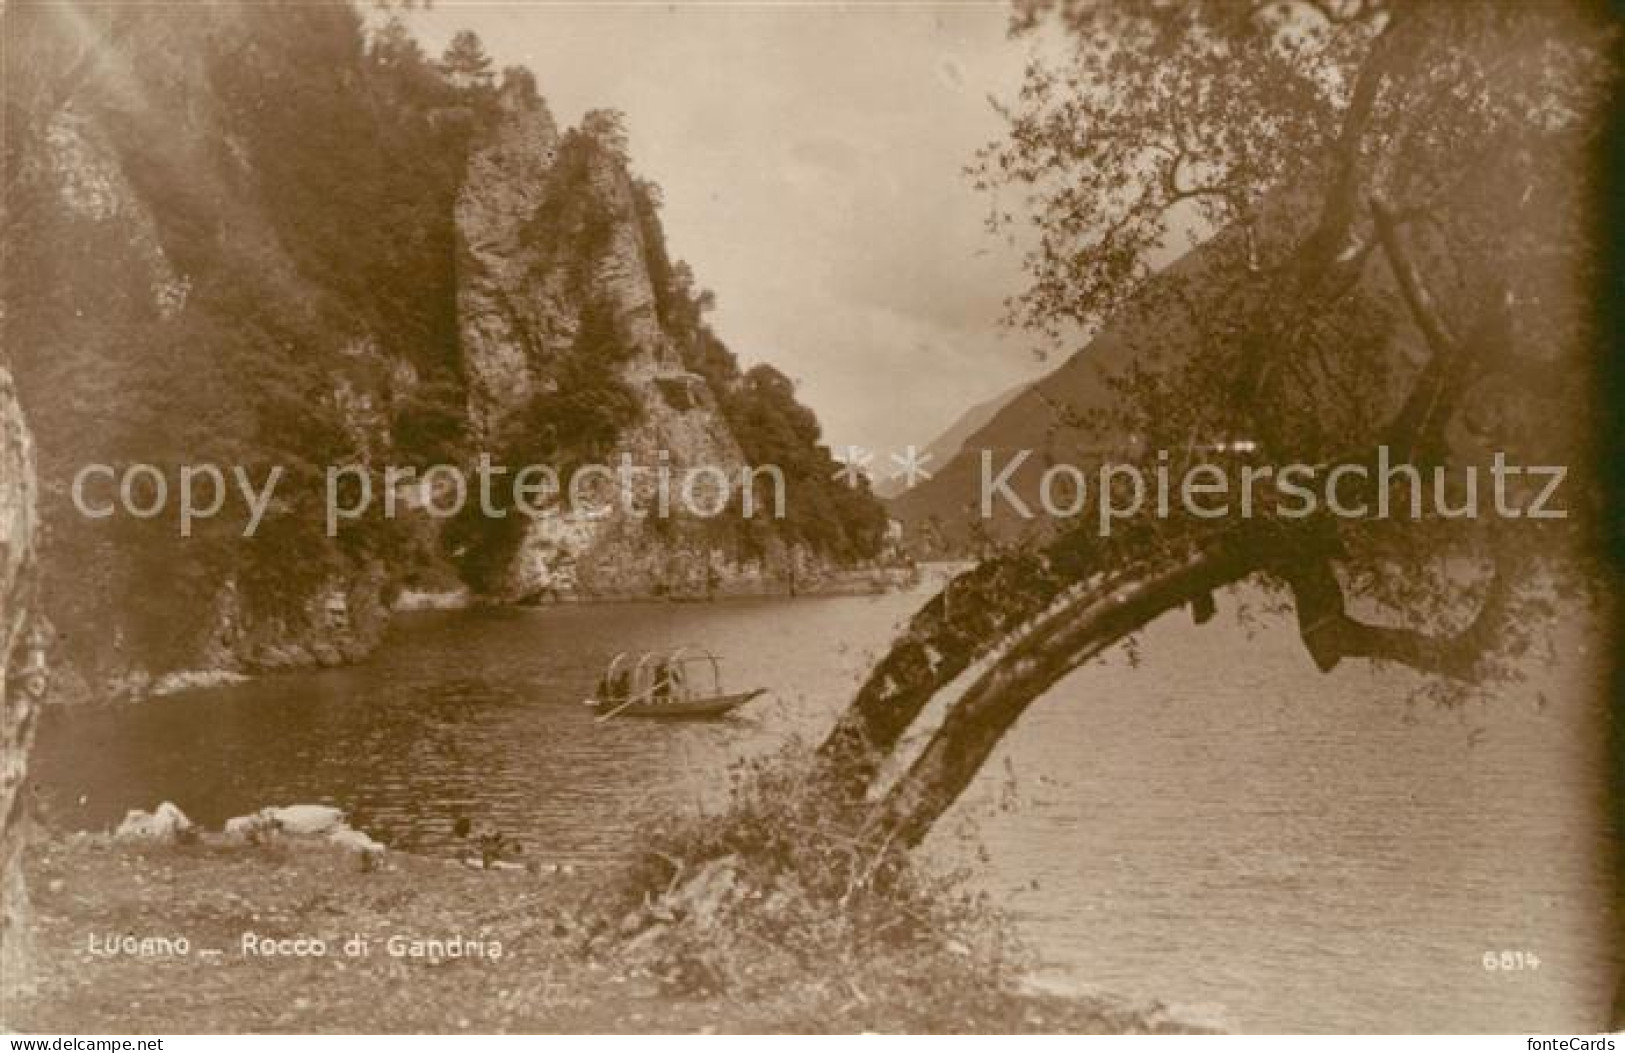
168 823
450 600
299 820
250 829
312 822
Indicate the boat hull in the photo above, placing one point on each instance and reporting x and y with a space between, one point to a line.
696 709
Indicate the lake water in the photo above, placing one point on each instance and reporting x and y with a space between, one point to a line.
1219 825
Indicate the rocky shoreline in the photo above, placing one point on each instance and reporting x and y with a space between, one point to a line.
347 645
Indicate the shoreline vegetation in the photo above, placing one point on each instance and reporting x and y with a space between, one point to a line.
165 928
846 581
207 326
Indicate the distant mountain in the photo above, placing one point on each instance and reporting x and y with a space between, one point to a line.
944 514
946 446
947 504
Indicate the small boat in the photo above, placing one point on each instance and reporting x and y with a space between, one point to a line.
665 685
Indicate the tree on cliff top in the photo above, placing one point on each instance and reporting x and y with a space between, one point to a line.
465 61
1402 260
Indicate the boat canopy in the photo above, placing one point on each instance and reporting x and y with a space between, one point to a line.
684 674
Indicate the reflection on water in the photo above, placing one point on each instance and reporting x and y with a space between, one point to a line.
1221 825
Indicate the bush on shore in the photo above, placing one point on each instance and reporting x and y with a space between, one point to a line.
784 883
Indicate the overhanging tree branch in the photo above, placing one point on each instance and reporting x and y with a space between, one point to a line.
1331 238
1331 634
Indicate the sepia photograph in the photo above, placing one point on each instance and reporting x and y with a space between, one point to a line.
733 517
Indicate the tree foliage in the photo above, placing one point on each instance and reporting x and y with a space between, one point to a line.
299 174
1393 215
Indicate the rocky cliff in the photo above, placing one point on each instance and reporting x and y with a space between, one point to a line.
276 236
561 254
17 537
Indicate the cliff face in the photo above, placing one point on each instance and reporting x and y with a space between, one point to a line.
504 317
18 498
271 237
158 316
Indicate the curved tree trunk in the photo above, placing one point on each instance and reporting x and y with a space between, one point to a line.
1076 631
960 625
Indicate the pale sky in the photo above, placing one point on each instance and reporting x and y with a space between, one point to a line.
812 160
